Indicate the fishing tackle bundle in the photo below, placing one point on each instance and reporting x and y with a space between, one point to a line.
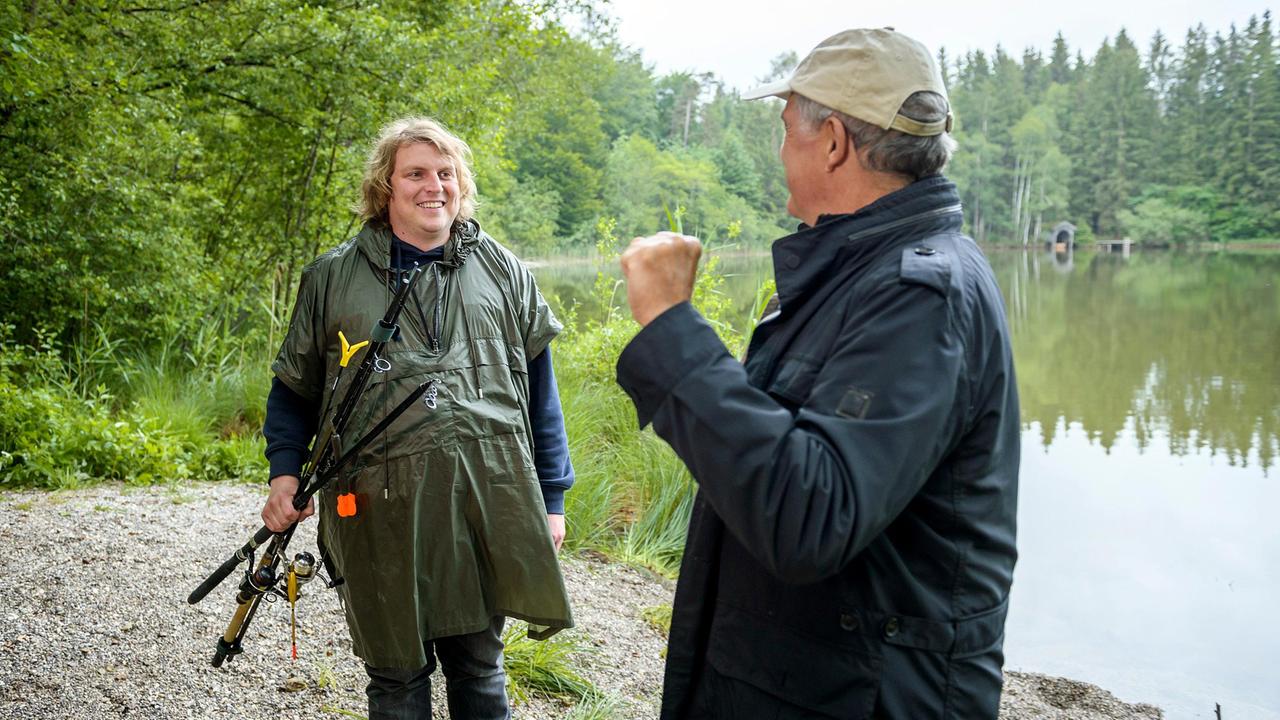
263 577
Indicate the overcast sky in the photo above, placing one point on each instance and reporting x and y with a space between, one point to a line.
736 40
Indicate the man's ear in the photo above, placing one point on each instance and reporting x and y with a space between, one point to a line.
837 143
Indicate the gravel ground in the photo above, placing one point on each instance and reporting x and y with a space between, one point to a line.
94 621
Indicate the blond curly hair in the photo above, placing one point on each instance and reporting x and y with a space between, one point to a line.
375 189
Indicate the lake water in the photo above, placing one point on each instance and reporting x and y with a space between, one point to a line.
1149 546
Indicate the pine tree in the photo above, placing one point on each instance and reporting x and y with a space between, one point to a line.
1125 110
737 172
1230 115
1185 152
1060 62
976 166
1265 150
1159 67
1035 75
1080 142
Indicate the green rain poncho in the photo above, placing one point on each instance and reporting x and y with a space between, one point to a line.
450 528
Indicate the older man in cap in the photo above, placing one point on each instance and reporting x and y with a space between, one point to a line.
852 543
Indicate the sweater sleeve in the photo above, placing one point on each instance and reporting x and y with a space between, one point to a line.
289 427
550 442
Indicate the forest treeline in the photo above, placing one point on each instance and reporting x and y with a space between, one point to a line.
1167 144
159 158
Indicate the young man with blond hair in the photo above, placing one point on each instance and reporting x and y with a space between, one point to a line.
451 520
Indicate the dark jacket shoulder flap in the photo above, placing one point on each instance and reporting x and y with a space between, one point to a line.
926 263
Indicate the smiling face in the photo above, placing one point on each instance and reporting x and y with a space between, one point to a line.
424 195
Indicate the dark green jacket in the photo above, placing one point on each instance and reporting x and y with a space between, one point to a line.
450 527
852 544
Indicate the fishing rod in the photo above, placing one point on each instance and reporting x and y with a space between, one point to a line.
257 584
327 460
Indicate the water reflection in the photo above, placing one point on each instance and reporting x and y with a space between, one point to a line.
1148 574
1186 346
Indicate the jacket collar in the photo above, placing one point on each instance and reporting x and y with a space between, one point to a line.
813 253
374 241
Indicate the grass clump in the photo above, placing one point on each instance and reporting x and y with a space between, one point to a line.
343 712
325 677
543 668
598 707
658 617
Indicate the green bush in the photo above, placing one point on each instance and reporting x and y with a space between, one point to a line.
59 432
49 439
1157 222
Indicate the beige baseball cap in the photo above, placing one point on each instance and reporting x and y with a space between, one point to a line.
866 74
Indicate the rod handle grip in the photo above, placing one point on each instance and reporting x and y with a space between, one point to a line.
217 576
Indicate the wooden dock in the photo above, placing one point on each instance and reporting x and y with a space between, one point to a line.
1120 246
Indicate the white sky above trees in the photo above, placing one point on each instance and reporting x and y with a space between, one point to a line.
736 39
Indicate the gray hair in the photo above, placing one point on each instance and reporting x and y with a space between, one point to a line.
890 150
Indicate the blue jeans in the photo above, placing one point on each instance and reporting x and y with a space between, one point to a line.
475 684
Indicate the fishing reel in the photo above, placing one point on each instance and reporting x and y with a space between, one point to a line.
300 571
263 584
287 585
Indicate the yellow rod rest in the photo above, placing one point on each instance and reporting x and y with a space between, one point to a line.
348 349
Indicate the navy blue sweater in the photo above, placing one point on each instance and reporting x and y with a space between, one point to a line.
292 420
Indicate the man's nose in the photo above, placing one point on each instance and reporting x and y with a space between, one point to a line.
433 183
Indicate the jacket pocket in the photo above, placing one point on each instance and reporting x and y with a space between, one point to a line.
837 676
976 674
794 379
975 682
939 669
503 459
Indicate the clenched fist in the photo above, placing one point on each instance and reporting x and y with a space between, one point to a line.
660 270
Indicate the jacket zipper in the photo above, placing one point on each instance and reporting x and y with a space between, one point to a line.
936 212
